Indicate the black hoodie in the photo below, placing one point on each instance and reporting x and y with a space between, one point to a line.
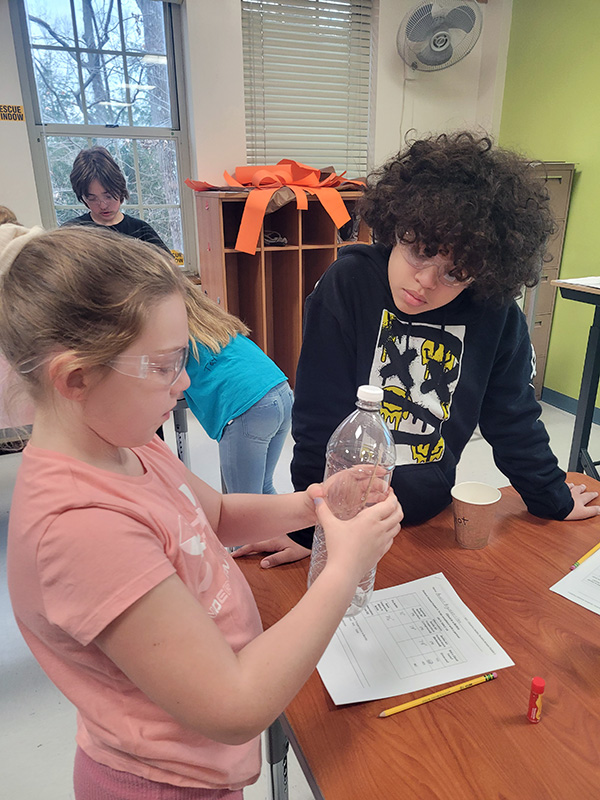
443 372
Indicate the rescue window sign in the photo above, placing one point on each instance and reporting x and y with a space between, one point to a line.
11 114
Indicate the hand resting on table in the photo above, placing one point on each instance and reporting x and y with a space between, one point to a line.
582 499
281 549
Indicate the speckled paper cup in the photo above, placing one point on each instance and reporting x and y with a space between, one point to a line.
474 506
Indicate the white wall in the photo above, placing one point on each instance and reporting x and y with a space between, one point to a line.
469 94
215 86
17 184
466 95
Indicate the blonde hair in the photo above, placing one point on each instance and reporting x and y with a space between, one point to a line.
80 289
6 215
209 324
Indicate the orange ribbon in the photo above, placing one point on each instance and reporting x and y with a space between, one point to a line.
265 181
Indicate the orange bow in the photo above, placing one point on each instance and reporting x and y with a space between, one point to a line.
265 181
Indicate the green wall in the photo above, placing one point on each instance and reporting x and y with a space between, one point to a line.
551 112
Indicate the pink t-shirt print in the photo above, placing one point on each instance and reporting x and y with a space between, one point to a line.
194 543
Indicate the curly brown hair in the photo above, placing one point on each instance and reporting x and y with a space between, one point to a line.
458 194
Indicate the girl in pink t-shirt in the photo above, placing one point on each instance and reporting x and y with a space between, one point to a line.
118 568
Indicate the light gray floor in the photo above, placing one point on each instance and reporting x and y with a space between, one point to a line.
38 724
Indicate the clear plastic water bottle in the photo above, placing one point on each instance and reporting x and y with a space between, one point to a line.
360 459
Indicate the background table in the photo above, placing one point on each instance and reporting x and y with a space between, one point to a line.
579 457
475 744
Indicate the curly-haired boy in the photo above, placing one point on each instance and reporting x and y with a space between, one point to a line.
428 313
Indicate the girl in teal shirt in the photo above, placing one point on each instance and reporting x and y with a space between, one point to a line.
240 397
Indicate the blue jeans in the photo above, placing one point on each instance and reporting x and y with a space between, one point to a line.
251 443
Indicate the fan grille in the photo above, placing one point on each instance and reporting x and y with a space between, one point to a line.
434 36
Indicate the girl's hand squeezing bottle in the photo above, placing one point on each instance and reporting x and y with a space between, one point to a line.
360 459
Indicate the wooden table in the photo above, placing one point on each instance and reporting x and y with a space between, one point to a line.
476 744
579 457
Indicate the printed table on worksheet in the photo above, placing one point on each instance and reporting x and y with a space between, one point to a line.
410 637
582 585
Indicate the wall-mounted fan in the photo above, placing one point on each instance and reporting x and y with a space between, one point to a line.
436 35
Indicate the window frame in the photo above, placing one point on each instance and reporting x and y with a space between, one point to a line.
38 131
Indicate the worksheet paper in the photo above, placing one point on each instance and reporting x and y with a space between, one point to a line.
582 584
409 637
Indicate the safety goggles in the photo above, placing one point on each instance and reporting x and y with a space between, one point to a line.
419 261
164 368
95 200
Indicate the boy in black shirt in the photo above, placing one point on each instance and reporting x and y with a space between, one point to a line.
428 313
99 183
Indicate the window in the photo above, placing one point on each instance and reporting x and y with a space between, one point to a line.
104 72
150 168
307 77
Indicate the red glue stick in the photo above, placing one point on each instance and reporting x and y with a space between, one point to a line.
534 712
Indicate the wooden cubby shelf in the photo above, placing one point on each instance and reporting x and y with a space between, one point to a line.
267 290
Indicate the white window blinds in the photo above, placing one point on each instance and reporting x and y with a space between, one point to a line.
307 73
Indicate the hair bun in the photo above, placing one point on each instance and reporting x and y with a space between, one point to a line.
13 238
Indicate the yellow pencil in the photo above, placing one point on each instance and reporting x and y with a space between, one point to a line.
442 693
587 555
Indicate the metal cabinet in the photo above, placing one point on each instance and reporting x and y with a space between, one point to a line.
539 301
